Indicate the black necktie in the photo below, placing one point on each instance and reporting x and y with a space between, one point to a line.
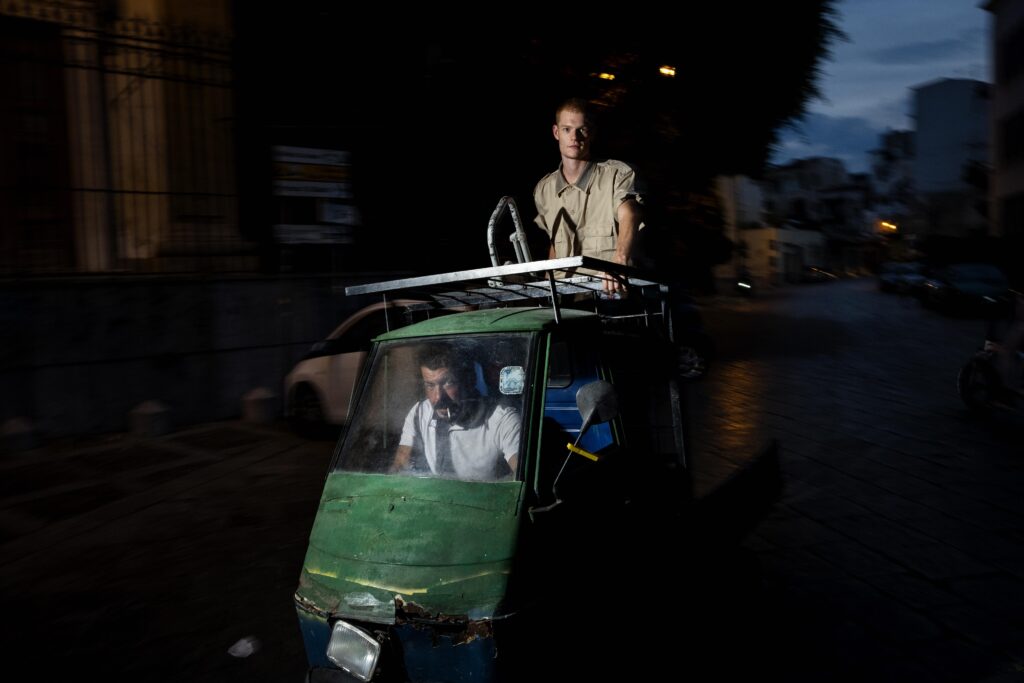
444 447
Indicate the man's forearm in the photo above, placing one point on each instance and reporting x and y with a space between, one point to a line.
403 454
628 216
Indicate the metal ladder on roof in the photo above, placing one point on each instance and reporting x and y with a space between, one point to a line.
518 238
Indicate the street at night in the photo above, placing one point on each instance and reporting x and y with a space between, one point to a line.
895 553
339 343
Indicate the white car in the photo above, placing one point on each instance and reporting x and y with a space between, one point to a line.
319 388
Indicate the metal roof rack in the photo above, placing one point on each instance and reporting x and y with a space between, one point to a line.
517 283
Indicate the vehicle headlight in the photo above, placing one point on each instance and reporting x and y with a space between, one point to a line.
353 650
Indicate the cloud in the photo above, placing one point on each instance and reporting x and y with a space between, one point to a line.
847 138
887 113
895 45
923 52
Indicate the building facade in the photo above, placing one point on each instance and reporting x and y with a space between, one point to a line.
770 254
951 149
1007 132
118 142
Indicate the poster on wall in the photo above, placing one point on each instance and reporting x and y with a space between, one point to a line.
313 196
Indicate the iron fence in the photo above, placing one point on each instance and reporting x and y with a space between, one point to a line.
117 149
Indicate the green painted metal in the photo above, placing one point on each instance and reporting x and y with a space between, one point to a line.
491 320
535 410
445 545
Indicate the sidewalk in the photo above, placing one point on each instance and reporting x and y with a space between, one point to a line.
152 557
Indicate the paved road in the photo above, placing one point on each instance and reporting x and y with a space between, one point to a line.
896 552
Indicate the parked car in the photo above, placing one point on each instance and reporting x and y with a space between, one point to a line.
978 288
902 278
318 390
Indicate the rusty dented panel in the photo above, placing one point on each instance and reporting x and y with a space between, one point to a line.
458 627
445 545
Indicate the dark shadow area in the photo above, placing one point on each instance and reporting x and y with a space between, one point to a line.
766 334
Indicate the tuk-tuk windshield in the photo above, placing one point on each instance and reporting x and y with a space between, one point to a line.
446 407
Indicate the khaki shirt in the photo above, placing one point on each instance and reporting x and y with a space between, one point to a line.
581 218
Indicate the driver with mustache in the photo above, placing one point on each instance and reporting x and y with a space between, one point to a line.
459 433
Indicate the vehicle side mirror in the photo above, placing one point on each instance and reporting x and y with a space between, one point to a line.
512 380
597 403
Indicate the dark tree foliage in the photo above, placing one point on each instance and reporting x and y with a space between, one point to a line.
444 120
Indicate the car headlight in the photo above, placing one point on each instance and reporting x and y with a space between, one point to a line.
353 650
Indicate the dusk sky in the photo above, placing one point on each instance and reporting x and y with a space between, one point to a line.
891 46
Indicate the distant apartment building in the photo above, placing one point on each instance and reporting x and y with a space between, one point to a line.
774 255
892 165
1007 116
771 254
847 214
818 194
794 192
742 201
951 146
892 173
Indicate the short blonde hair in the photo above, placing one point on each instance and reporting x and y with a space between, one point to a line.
576 104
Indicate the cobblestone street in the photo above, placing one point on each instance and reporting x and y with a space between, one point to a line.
897 551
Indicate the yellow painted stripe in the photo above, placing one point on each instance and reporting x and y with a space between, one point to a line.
579 451
320 572
390 589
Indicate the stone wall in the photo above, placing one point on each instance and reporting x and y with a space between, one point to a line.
77 354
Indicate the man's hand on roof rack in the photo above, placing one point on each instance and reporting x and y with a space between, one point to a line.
612 284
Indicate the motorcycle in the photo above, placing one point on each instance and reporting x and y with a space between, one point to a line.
992 378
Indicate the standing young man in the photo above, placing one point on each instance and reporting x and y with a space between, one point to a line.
587 207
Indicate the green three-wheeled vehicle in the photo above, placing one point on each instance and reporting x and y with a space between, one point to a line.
502 480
